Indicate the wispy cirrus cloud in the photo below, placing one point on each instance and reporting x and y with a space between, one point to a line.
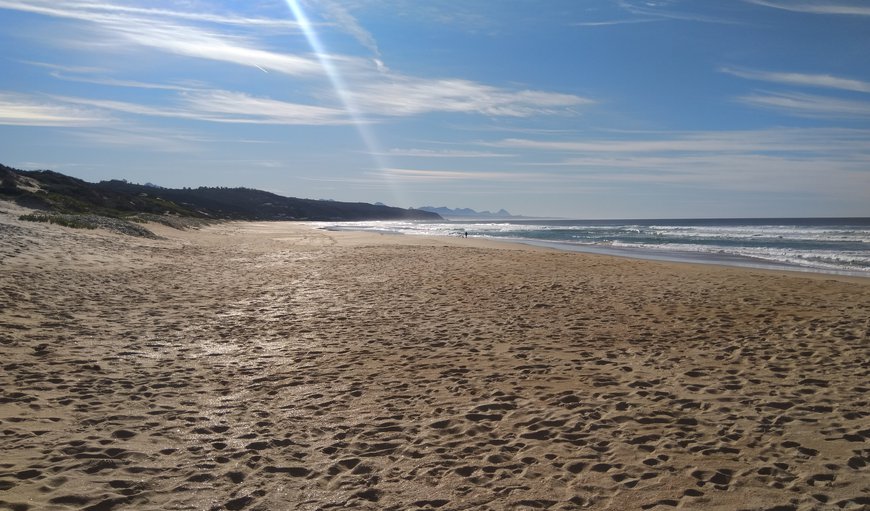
228 106
750 141
157 31
101 11
137 137
429 175
826 160
756 160
241 107
817 7
378 97
28 110
405 96
224 107
197 103
610 23
62 68
808 105
444 153
466 16
194 42
747 173
347 22
800 79
94 75
664 10
376 92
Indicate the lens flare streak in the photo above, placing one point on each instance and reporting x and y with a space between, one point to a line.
342 92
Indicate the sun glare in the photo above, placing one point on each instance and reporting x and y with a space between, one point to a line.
342 92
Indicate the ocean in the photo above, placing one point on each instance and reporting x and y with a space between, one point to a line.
827 245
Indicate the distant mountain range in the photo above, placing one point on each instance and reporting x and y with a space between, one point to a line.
466 212
55 192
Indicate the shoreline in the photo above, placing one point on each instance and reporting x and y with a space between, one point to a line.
703 258
835 250
267 365
663 256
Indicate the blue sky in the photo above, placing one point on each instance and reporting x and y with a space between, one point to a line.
571 108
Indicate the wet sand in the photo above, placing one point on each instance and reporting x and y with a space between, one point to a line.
269 366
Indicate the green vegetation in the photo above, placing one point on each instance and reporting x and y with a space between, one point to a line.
64 220
57 193
88 221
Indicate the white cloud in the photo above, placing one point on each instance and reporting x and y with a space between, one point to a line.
815 7
240 107
371 98
663 10
126 24
796 140
404 96
148 139
610 23
375 91
347 22
225 107
444 153
809 105
467 16
801 79
26 110
97 11
194 42
57 68
111 82
744 172
830 160
459 175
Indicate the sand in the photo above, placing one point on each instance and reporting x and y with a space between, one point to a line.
270 366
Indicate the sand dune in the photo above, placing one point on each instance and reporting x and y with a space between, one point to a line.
271 366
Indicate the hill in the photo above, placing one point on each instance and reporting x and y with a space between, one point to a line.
466 213
58 193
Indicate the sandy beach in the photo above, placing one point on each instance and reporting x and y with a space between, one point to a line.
271 366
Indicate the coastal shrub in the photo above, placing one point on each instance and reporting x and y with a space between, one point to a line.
64 220
91 222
